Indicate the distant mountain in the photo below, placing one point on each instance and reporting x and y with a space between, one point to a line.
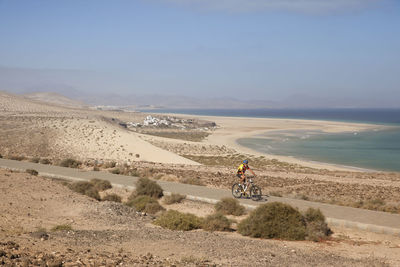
55 98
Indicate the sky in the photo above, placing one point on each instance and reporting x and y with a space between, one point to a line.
252 49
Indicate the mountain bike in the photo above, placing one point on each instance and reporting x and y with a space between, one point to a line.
254 191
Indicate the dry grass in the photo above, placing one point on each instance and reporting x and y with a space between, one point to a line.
173 198
62 227
148 187
32 172
70 163
112 197
145 204
101 185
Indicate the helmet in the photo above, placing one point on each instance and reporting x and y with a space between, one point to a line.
245 161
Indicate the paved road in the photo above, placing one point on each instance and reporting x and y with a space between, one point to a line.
374 221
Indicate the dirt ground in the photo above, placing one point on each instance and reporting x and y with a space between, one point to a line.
110 234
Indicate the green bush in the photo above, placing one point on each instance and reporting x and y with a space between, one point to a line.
173 198
274 220
148 187
101 185
216 222
32 172
176 220
146 204
112 197
229 206
85 188
70 163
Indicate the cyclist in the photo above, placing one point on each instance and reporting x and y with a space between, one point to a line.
242 169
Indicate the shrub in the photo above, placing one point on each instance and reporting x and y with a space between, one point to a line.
115 171
35 160
1 156
32 172
146 204
110 164
216 222
274 220
229 206
193 181
70 163
112 197
101 185
96 169
174 198
19 158
176 220
45 161
62 227
85 188
148 187
317 229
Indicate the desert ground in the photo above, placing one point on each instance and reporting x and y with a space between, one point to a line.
199 150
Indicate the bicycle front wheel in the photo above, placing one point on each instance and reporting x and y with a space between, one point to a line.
255 192
236 190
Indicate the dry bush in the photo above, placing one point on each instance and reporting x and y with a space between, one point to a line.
70 163
229 206
96 169
32 172
112 197
110 164
85 188
191 180
62 227
274 220
35 160
146 204
216 222
176 220
19 158
148 187
174 198
115 171
101 185
317 229
45 161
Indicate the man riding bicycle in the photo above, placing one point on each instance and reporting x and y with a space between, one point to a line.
242 169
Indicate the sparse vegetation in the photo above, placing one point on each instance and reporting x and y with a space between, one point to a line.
70 163
175 220
148 187
229 206
85 188
274 220
216 222
112 197
173 198
146 204
19 158
101 185
317 229
62 227
32 172
110 164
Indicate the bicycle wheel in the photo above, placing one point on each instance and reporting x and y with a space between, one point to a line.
255 192
236 190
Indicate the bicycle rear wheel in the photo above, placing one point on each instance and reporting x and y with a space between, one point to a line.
255 192
236 190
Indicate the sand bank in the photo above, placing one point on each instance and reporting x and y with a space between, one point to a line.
233 128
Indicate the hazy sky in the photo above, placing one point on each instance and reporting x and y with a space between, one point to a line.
261 49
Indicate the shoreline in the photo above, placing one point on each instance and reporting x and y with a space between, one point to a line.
232 129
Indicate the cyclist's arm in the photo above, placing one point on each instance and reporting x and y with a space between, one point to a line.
252 172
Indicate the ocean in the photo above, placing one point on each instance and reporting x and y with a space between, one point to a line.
377 150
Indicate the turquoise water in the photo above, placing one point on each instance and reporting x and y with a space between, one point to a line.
378 150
